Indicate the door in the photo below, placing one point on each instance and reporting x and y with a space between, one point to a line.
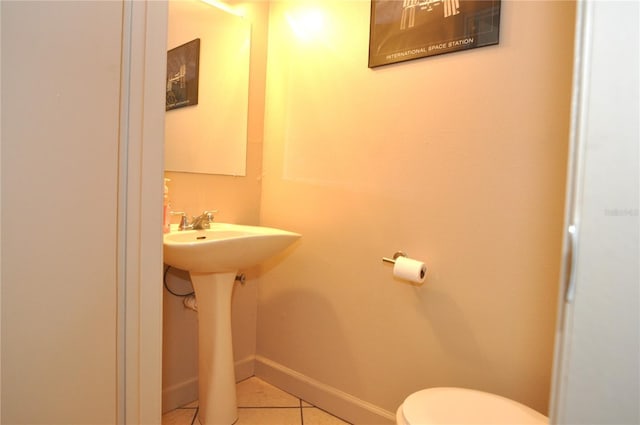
597 373
81 195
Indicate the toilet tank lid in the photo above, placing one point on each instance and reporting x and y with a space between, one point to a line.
446 405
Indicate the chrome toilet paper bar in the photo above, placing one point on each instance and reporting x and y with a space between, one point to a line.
395 257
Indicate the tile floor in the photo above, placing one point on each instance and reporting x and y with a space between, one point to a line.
260 403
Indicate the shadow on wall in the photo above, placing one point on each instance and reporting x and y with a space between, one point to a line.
453 332
179 343
305 346
480 355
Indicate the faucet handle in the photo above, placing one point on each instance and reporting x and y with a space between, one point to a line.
184 221
209 214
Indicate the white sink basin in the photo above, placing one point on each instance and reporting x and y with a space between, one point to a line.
224 247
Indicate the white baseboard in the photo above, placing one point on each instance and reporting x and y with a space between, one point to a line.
339 403
179 394
187 391
245 368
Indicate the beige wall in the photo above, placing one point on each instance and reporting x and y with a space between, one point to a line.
238 201
460 161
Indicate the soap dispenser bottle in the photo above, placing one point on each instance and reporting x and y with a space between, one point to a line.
166 208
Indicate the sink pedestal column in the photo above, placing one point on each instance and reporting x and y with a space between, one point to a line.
216 374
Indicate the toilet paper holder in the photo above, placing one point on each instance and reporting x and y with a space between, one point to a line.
405 268
395 257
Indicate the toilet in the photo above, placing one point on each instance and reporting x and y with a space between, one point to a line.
435 406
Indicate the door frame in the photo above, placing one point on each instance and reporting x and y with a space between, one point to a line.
141 168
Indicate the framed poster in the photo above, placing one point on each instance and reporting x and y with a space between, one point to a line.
183 63
402 30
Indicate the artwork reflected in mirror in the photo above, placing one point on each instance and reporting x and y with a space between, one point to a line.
182 75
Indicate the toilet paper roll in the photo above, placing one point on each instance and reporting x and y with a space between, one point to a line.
409 269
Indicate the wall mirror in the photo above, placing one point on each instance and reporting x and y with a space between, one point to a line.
210 137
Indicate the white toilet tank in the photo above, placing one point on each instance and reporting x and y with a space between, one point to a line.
436 406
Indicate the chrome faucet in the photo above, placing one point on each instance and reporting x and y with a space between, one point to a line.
203 221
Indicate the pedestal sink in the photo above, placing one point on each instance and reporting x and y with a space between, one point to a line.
213 258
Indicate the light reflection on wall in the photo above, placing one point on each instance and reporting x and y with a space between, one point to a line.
315 55
224 6
307 24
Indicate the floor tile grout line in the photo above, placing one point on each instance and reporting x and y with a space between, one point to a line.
268 407
301 412
195 416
